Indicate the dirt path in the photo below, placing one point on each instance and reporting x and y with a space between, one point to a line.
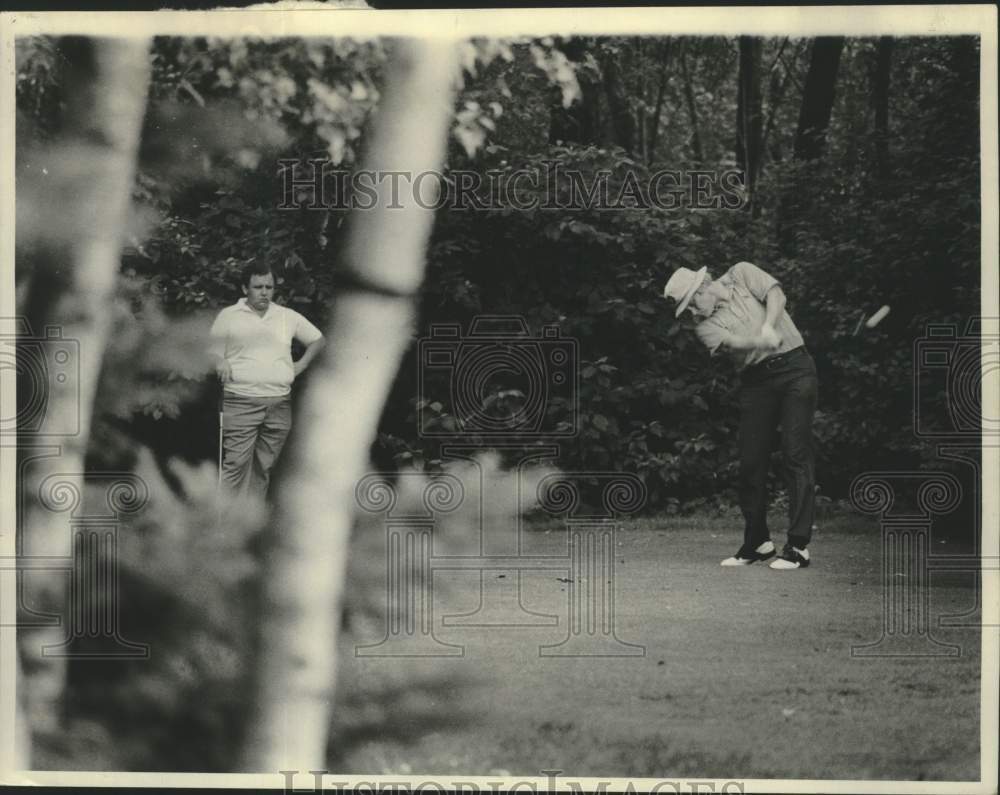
747 673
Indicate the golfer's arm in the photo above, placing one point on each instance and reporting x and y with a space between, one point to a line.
741 342
775 305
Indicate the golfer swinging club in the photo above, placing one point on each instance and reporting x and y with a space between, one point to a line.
744 314
251 343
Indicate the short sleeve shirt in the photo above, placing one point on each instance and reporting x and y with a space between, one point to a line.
742 312
259 349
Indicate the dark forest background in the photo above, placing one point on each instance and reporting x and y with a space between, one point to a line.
861 164
861 187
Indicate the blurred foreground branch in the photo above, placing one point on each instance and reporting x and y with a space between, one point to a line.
73 242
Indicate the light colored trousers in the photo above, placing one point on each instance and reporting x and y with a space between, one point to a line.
253 432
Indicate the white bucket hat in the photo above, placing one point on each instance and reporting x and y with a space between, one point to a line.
682 286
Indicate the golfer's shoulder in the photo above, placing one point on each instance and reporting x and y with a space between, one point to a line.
743 269
747 271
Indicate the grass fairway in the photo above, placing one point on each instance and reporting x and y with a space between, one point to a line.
747 672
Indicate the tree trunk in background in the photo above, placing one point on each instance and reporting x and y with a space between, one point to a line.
654 122
622 121
699 156
373 318
581 122
775 97
74 234
810 138
883 70
749 117
640 120
817 97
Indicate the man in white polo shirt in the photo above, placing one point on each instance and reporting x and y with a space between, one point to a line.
252 345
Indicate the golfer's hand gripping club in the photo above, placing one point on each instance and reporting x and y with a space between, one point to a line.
770 337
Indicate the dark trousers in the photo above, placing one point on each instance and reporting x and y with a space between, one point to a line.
781 390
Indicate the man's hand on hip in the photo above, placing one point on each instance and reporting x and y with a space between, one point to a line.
224 370
308 355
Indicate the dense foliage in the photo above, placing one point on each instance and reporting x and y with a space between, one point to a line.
875 220
223 114
859 227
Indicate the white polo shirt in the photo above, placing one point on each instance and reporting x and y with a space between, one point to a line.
259 349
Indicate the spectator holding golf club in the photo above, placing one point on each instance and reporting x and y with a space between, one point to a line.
251 344
743 314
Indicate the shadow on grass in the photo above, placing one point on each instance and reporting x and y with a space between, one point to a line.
402 714
563 745
652 757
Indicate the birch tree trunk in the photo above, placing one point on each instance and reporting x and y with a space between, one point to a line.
371 328
82 217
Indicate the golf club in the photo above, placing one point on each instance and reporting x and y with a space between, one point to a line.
872 321
222 394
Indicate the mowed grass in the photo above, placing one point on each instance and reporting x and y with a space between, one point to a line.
746 673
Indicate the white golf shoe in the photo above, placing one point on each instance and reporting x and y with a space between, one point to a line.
744 557
791 558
